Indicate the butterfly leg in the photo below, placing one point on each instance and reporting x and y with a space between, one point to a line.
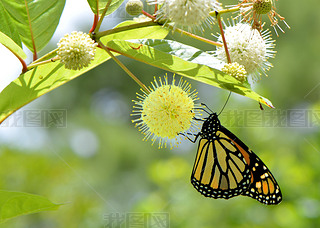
191 140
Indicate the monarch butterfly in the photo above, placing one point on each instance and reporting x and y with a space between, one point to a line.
225 167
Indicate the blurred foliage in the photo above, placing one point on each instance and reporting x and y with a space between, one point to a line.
98 165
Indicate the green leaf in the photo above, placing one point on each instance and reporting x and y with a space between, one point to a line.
184 60
10 44
39 81
47 77
36 21
102 4
8 27
13 204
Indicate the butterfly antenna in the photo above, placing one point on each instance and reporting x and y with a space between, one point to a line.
225 103
206 108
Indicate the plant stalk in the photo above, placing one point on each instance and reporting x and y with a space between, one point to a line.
102 16
223 37
124 68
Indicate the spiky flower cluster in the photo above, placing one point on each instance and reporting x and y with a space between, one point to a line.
166 112
235 70
248 48
186 13
76 50
252 11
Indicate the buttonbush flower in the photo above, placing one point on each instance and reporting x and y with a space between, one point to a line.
252 10
186 13
235 70
134 7
248 47
76 50
167 112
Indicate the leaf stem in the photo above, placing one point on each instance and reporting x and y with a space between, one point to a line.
31 66
197 37
148 15
124 68
223 37
24 65
95 21
35 55
214 13
155 8
102 16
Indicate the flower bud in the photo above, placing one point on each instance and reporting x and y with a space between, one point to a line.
262 6
134 7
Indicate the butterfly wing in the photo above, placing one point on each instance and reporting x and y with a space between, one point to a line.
263 186
220 170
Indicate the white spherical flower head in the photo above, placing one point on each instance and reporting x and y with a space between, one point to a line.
166 112
248 48
76 50
187 13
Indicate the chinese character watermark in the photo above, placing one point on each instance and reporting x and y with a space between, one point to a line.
137 220
37 118
295 118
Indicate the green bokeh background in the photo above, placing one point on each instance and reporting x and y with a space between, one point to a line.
99 166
